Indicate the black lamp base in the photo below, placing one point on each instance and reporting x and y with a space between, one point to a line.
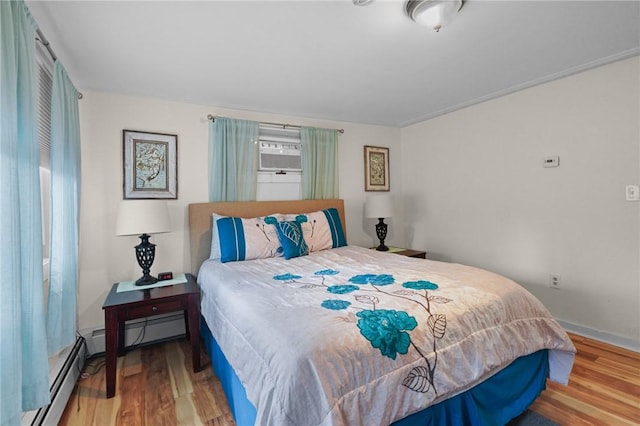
146 253
381 232
146 280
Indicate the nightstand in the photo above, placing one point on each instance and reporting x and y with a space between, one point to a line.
410 253
406 252
128 305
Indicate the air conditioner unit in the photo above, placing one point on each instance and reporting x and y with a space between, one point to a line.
280 156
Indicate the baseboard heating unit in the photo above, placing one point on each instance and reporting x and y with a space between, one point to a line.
63 380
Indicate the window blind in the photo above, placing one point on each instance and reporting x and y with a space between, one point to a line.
45 87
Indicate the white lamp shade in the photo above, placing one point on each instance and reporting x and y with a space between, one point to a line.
377 206
136 217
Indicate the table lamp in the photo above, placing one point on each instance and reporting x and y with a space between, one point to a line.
379 206
143 217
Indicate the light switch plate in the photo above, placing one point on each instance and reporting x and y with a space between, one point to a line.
632 192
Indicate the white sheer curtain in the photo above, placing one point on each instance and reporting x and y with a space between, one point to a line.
23 349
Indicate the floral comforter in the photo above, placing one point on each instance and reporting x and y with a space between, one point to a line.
351 336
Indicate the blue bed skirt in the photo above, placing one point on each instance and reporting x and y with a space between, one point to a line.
495 401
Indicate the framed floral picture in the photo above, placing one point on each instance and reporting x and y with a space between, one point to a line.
376 168
150 165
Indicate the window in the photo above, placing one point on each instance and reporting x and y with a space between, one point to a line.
279 174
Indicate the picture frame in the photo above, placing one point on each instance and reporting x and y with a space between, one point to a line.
376 168
150 163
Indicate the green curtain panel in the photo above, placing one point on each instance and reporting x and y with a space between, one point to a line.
233 159
65 212
319 163
23 351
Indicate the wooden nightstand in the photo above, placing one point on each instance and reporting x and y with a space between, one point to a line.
128 305
406 252
411 253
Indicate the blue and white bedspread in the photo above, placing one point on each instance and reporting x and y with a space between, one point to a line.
351 336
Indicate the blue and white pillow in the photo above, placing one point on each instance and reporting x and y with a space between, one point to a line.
322 229
292 239
245 239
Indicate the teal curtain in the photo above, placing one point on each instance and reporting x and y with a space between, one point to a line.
233 160
319 163
23 345
65 210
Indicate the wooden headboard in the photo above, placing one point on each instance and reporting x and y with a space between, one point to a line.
200 219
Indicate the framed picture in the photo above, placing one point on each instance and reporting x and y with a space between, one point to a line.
150 165
376 168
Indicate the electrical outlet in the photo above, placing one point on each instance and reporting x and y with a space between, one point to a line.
554 281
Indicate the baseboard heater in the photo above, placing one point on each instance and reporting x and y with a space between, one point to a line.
61 388
139 333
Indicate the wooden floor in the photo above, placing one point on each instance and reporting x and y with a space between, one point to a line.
156 386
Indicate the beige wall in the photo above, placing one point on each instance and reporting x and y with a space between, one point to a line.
475 192
105 258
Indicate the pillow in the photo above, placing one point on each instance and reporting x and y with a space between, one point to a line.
245 239
292 239
215 241
322 229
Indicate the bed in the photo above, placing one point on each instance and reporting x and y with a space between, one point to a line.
304 329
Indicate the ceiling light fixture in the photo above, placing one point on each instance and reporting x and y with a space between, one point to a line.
433 13
362 2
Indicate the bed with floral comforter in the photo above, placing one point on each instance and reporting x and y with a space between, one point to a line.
351 336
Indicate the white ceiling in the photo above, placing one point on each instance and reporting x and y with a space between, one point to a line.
331 59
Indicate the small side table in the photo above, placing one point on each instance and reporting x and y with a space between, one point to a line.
406 252
128 305
412 253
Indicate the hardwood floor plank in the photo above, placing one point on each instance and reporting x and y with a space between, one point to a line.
186 413
596 399
589 412
626 370
132 363
156 386
616 372
159 404
620 355
607 350
596 375
559 412
180 382
605 389
132 397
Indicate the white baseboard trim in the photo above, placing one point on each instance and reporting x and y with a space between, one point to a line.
62 385
603 336
139 332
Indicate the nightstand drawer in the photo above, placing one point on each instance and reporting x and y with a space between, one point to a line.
154 309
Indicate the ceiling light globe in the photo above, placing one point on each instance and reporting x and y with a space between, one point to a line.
362 2
433 13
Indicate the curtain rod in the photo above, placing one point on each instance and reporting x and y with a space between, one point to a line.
43 40
284 126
